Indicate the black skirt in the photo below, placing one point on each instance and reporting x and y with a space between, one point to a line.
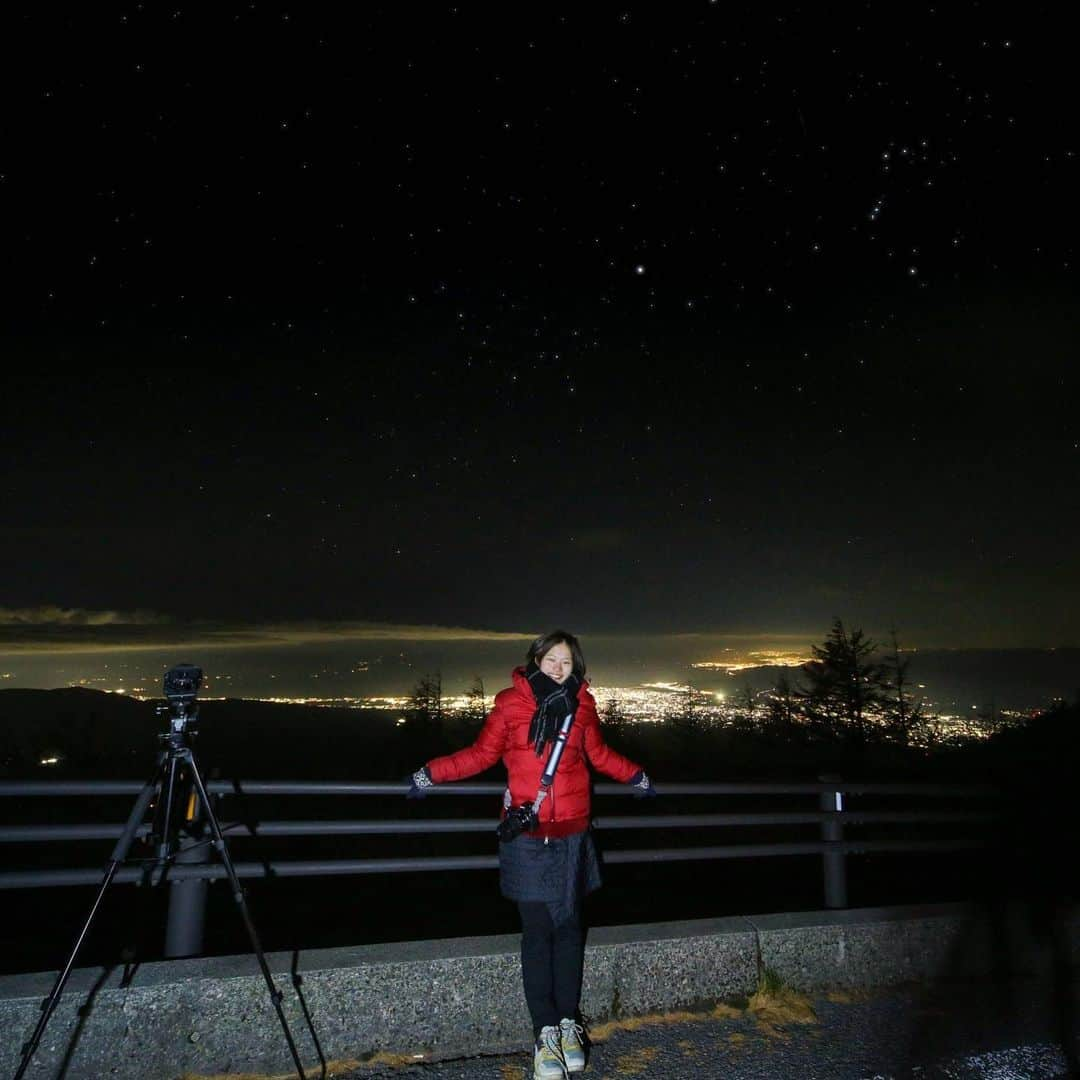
559 873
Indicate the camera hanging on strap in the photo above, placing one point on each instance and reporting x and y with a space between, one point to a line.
526 817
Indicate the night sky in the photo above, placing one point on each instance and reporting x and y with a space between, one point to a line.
641 319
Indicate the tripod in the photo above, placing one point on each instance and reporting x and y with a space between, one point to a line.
177 775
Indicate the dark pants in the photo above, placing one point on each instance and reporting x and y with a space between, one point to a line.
552 958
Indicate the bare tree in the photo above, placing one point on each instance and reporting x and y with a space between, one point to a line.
748 703
783 709
612 712
476 709
903 714
690 717
426 702
476 700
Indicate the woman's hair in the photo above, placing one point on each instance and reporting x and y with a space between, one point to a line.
545 642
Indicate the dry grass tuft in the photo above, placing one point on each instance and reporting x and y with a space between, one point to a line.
396 1061
725 1012
333 1068
602 1032
775 1006
637 1061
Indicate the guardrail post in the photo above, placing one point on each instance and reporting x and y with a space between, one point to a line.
832 832
187 899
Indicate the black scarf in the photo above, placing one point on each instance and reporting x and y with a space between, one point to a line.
553 702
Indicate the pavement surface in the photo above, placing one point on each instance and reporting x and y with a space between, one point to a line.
960 1030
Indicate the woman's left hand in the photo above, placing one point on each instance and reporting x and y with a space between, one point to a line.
643 785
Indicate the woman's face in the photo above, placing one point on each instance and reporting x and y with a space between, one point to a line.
558 662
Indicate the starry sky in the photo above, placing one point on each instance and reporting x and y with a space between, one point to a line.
645 320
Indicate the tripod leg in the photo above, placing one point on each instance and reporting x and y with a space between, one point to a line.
166 809
241 903
119 854
297 981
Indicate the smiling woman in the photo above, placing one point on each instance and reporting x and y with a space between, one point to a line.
545 728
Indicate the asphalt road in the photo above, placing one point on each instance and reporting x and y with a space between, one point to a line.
961 1030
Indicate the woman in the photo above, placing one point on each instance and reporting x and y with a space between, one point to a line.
549 869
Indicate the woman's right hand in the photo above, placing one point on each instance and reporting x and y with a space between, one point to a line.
421 784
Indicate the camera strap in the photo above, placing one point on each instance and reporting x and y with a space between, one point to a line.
557 748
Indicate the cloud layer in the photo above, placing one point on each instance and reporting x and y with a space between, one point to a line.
57 630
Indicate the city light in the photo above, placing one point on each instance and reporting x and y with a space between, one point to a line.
653 702
755 659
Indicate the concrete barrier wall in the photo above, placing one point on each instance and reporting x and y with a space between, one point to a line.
448 998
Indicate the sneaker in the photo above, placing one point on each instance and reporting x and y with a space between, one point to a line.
548 1061
572 1048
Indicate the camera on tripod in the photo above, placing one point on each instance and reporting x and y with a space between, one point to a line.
520 819
181 688
176 781
182 683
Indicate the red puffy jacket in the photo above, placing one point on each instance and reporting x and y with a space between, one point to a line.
505 734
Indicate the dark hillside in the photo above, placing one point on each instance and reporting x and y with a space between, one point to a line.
93 733
96 734
1037 765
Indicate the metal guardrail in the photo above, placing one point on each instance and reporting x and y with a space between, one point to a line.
464 787
192 865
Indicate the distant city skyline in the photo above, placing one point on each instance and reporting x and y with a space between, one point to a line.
364 660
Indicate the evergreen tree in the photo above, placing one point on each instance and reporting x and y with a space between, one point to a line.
846 683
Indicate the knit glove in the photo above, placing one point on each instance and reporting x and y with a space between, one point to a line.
420 784
643 785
